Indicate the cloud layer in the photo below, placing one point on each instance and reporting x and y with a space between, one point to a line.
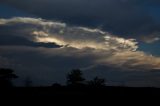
76 37
126 18
78 47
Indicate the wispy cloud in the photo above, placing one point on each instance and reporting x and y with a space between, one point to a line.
152 38
77 37
27 20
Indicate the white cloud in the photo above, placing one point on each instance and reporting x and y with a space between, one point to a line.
77 37
27 20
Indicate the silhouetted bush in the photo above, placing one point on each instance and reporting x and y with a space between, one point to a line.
6 75
97 82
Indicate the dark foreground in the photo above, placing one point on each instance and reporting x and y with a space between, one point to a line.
78 91
70 94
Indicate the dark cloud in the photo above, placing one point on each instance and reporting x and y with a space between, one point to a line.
46 66
116 76
123 17
20 41
97 52
10 11
8 37
107 49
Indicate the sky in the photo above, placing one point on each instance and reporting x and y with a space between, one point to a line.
113 39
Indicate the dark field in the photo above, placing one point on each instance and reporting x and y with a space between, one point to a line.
64 92
65 95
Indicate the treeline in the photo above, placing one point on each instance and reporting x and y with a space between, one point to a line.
73 79
6 76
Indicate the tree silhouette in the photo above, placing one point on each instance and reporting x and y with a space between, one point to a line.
75 78
6 75
97 82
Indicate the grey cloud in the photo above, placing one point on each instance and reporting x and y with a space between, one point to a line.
116 76
44 66
123 17
152 38
105 47
20 41
6 62
80 49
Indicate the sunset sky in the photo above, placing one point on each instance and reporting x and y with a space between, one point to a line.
118 40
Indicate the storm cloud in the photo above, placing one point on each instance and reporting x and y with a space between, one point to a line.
103 38
126 18
103 47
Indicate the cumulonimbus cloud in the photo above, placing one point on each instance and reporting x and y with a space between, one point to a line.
105 48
